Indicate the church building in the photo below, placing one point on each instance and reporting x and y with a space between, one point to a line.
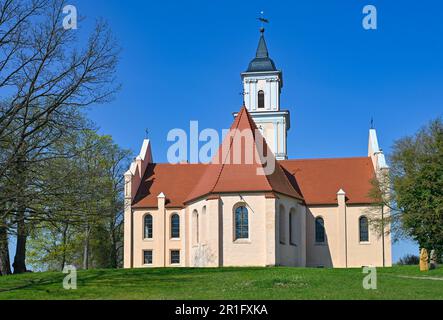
301 213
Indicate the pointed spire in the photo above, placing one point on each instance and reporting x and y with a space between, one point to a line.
262 49
262 62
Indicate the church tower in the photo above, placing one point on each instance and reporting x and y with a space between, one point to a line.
262 84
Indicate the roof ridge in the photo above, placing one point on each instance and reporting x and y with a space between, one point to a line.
220 176
228 153
254 125
324 159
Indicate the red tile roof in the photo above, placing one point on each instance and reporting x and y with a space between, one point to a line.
174 180
225 176
319 180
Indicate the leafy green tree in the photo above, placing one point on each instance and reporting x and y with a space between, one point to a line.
46 76
81 217
413 187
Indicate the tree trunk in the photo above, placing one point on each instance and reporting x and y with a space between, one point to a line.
113 251
19 264
5 264
86 250
113 259
64 241
20 252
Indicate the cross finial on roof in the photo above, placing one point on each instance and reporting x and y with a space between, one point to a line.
243 94
372 123
146 133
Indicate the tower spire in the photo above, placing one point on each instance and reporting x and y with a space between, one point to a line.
262 84
262 62
262 49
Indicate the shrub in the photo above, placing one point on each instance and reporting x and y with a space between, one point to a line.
408 260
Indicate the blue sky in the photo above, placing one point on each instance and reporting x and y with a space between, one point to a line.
181 61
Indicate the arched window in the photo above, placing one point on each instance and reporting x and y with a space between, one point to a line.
175 226
319 230
261 99
282 225
204 225
292 227
364 229
241 223
148 227
195 228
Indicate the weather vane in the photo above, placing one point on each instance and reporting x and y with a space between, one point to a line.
263 20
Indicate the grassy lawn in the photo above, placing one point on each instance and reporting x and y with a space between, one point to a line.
227 283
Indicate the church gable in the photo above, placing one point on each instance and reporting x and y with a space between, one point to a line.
243 163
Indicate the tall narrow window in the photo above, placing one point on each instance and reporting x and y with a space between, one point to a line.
261 99
319 230
241 223
148 227
292 227
195 228
282 225
364 229
204 226
175 226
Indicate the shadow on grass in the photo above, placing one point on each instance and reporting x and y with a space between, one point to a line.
38 283
31 284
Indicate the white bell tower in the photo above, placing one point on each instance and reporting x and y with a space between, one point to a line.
262 84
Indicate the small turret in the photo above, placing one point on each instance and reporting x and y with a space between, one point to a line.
374 151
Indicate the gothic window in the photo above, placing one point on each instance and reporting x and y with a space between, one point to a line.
363 226
241 223
261 99
148 227
319 230
175 226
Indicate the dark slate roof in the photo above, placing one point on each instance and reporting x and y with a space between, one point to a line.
261 62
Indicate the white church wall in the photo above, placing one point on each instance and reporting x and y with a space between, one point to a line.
290 253
331 253
161 243
133 179
322 254
203 233
245 252
365 253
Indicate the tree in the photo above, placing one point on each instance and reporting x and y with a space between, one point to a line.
46 77
413 188
83 214
5 265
